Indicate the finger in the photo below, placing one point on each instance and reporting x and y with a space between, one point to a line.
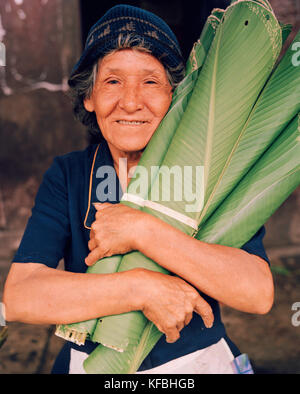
172 336
92 234
93 256
92 244
188 318
205 311
180 326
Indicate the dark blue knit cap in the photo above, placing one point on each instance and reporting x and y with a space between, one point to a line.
123 18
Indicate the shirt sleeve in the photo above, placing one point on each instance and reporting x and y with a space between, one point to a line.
48 229
256 246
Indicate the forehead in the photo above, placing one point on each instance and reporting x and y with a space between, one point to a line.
125 60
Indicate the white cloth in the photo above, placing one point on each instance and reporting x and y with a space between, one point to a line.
215 359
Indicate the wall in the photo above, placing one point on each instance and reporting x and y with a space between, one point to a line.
42 40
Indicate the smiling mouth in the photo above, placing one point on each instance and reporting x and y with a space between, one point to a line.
131 122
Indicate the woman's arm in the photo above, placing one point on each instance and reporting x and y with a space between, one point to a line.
230 275
37 294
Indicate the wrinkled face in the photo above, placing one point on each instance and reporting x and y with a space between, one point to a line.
131 95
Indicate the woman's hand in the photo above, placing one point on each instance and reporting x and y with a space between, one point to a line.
114 231
169 302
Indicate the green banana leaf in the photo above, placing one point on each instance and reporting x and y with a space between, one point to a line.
78 332
266 186
264 3
202 46
224 94
262 127
118 362
253 201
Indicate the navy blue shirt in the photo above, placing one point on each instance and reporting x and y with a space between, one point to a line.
59 228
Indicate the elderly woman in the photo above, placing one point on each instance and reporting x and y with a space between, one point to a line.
123 86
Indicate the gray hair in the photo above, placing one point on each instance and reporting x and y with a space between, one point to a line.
83 83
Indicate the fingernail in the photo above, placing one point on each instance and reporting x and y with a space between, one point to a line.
208 322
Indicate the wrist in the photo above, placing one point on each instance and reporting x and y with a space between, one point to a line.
137 287
142 231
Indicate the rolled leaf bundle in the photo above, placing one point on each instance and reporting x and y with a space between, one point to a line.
211 123
271 180
152 158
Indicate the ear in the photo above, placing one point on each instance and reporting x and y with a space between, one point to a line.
89 104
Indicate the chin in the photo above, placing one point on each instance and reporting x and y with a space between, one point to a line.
133 146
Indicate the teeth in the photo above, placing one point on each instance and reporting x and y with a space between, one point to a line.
130 122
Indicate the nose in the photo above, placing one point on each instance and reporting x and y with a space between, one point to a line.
131 98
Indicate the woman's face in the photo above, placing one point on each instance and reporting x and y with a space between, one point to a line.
131 96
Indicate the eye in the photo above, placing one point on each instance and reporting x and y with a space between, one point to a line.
112 81
150 82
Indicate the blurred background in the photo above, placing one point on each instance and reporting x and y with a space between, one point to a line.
43 40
